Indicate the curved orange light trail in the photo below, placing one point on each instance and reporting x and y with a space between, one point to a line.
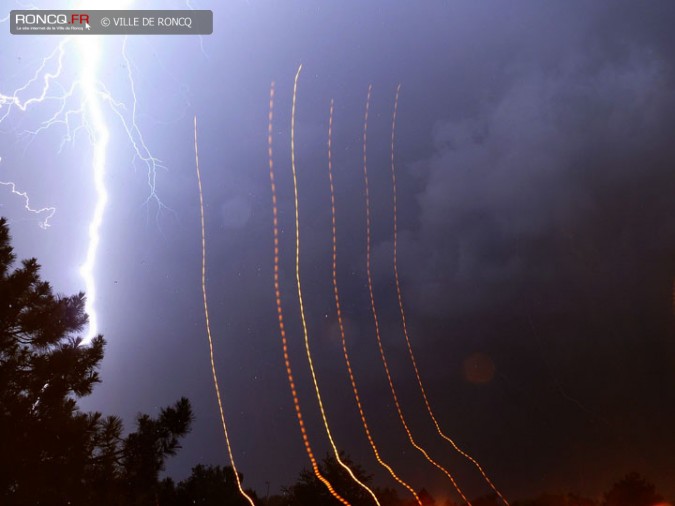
402 311
208 324
374 311
338 310
277 293
302 306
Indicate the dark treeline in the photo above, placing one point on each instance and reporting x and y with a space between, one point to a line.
216 485
52 453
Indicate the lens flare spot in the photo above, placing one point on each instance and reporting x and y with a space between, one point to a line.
478 369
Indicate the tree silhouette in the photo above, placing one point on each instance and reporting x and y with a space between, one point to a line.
206 486
426 498
487 500
558 500
632 490
311 492
104 474
50 451
145 450
43 370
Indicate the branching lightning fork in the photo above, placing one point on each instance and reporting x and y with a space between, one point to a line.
84 86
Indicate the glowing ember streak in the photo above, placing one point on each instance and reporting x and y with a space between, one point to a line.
208 325
402 311
302 306
277 293
338 310
374 311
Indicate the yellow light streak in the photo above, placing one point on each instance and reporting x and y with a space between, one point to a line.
277 293
338 310
208 325
399 410
402 311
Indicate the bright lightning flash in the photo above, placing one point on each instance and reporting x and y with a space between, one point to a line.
49 211
99 135
91 96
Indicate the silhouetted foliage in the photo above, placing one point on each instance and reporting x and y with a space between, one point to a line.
310 491
207 486
487 500
426 498
51 452
558 500
144 451
632 490
46 441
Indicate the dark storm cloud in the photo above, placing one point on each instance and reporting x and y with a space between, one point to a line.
535 182
546 236
537 236
552 154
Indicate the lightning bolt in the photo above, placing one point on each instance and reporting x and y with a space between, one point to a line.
49 210
14 100
91 115
189 5
99 135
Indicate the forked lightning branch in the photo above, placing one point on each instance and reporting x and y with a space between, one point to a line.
68 76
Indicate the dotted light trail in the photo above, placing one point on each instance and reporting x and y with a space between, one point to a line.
374 310
338 310
277 294
208 324
302 306
402 311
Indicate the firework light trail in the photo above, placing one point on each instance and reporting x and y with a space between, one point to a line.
305 332
208 324
374 310
92 96
338 310
280 314
404 323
